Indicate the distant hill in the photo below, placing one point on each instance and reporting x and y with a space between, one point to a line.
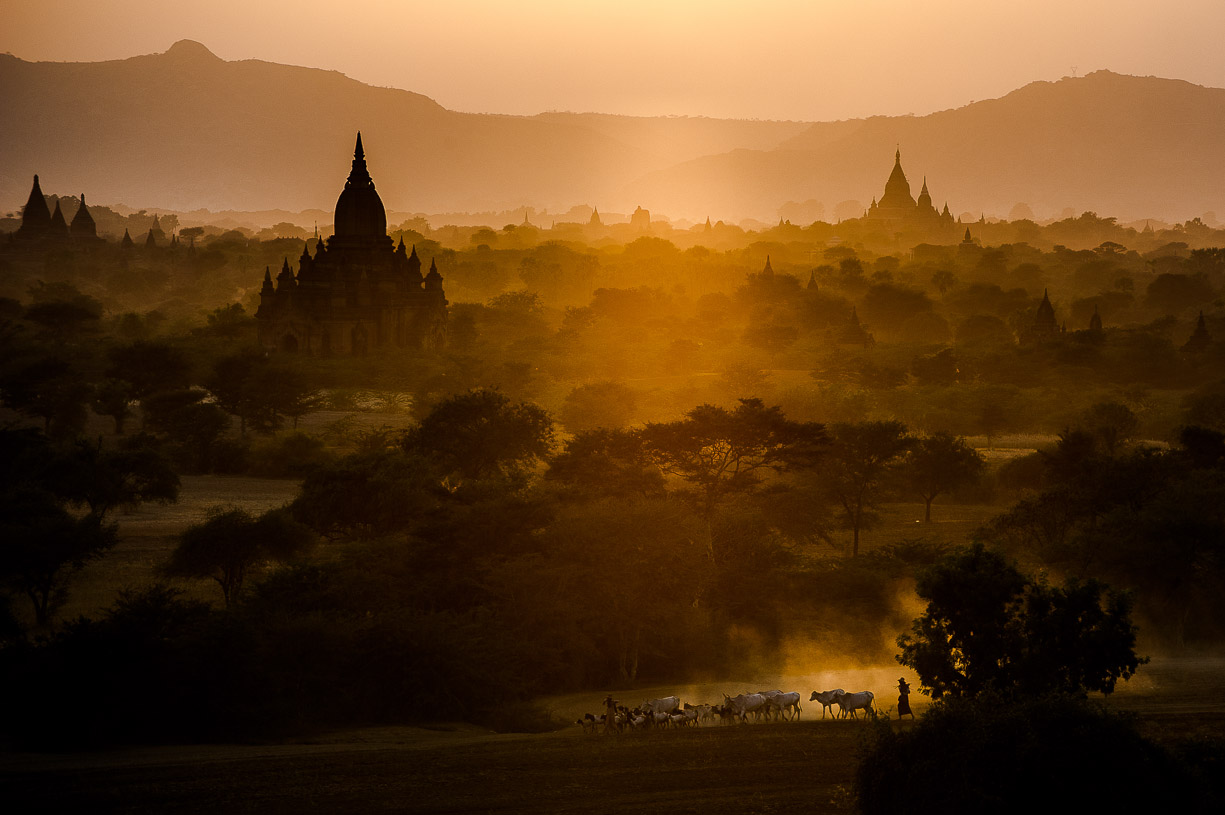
1119 145
185 129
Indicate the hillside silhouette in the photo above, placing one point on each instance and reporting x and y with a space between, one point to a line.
185 129
1116 144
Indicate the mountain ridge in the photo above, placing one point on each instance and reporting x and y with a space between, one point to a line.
186 129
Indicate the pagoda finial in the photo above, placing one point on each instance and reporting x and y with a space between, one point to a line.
358 152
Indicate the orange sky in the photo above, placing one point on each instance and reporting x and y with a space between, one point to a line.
770 59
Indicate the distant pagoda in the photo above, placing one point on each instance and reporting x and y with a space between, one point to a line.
897 209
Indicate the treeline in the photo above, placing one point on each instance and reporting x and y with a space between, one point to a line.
471 563
441 578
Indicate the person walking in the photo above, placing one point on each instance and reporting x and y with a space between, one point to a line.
903 699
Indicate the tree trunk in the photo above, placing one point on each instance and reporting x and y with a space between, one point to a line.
927 512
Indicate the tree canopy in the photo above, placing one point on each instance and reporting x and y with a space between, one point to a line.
231 542
720 452
483 433
987 627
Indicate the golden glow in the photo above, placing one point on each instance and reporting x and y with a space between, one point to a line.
779 59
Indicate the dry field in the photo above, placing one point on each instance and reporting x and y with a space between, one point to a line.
766 768
148 534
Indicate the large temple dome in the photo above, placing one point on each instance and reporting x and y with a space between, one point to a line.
359 210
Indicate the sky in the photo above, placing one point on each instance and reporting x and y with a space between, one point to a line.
810 60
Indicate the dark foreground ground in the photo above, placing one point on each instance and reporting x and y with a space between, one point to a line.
790 767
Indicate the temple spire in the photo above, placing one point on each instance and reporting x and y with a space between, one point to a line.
358 152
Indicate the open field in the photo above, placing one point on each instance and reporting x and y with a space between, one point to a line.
787 767
148 534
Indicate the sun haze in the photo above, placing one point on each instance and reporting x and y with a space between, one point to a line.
775 59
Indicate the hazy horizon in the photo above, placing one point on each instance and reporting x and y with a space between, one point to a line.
779 59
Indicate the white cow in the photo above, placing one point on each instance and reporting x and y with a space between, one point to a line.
705 713
851 702
744 704
779 703
827 698
788 701
669 704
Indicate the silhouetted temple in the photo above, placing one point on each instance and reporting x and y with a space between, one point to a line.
1045 325
40 225
897 209
358 293
1200 338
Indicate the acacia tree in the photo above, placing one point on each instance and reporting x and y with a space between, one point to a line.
607 462
939 463
720 453
368 494
231 542
989 627
862 456
1112 423
49 389
482 433
42 543
104 480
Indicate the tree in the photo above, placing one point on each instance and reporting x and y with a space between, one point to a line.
939 463
944 280
230 543
113 398
192 425
368 494
607 462
598 404
41 543
104 480
482 433
770 336
720 452
49 389
860 459
988 627
1112 423
150 367
230 384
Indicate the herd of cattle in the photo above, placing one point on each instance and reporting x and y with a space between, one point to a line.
772 705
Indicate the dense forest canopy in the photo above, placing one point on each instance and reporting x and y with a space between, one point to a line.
627 434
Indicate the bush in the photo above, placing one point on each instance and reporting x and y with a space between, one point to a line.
286 455
1051 754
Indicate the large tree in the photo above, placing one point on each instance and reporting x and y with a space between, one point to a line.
719 453
483 433
863 455
368 494
231 543
41 542
607 462
103 480
939 463
989 627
